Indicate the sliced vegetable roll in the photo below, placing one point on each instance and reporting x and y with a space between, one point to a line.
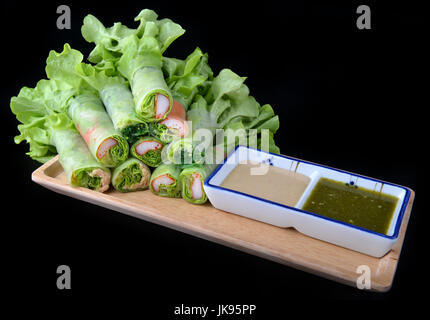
191 180
148 150
165 181
174 125
95 126
81 169
131 175
137 54
119 104
151 95
67 66
49 133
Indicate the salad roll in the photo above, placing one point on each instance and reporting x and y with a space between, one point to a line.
95 126
174 125
131 175
151 95
49 132
119 104
165 181
113 90
137 53
148 150
191 180
80 167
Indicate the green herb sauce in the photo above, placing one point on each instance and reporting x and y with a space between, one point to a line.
358 206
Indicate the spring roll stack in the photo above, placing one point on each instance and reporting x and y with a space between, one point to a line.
128 111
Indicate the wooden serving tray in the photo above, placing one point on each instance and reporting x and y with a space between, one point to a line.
286 246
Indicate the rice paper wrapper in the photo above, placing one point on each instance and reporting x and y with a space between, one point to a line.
95 126
187 177
171 190
119 104
146 83
78 163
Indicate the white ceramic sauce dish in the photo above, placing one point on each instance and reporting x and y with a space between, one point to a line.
311 224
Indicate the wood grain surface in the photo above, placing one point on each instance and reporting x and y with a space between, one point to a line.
285 246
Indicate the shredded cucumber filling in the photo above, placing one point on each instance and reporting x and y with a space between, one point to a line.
83 178
129 176
134 132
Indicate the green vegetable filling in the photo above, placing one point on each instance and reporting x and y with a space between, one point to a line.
160 131
151 158
133 133
119 152
129 176
187 194
83 178
170 190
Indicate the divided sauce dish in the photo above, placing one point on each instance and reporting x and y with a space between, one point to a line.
265 209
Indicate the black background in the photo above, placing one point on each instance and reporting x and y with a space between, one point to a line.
346 98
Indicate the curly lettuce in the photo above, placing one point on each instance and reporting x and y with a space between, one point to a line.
188 77
49 131
227 105
110 42
86 108
67 66
137 55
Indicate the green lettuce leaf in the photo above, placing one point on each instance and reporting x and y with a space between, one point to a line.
68 67
31 108
49 131
188 77
137 55
110 42
228 105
